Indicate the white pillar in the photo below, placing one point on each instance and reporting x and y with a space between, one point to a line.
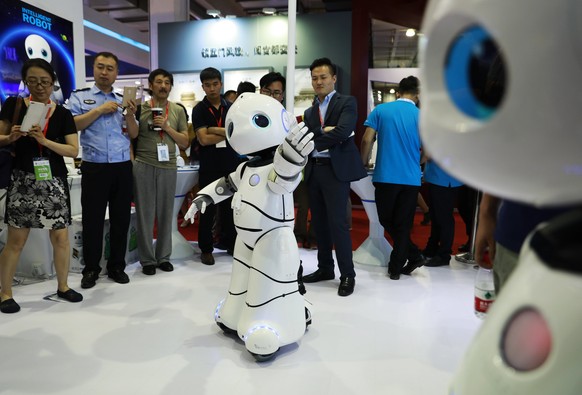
162 11
290 85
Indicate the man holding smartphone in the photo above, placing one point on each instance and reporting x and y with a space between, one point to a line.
107 168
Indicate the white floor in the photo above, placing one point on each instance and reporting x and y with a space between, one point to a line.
157 335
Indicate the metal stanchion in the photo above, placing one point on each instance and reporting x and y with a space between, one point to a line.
469 257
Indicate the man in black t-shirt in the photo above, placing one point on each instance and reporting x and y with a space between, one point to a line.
217 159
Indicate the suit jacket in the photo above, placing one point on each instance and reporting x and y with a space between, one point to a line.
345 157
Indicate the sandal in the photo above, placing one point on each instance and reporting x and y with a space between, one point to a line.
70 295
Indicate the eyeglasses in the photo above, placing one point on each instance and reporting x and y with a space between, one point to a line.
271 93
43 83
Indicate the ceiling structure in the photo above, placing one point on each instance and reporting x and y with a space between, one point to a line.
390 47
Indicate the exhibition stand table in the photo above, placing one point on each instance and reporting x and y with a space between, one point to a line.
375 250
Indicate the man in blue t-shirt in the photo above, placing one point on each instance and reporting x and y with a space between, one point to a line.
397 172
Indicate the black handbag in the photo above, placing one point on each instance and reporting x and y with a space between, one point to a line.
6 154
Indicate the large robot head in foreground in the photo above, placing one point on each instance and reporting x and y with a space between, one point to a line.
501 96
256 122
501 111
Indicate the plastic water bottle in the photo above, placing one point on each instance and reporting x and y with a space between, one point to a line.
484 291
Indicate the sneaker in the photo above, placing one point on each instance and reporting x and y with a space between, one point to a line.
70 295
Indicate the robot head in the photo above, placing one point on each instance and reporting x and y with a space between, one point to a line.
493 113
256 122
37 47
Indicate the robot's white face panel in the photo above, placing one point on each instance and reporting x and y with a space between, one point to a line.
501 108
37 47
256 122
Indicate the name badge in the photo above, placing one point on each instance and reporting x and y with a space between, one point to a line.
42 169
163 153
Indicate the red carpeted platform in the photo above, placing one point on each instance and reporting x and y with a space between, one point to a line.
419 234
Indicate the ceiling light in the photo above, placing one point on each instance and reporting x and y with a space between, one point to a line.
269 11
213 13
410 33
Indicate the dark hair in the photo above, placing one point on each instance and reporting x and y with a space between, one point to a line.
409 85
229 92
163 73
271 77
210 73
324 62
245 86
185 111
40 63
107 55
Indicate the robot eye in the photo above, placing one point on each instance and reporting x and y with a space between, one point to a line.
230 129
527 340
30 51
475 73
44 53
261 121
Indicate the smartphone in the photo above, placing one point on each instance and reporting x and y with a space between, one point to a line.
129 93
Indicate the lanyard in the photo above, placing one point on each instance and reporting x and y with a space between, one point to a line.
167 108
219 119
48 115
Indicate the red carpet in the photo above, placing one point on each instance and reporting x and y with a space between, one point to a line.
419 234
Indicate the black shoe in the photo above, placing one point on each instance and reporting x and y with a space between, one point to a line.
426 219
89 279
149 270
465 247
70 295
220 246
318 275
437 261
118 276
166 267
346 287
412 266
393 276
207 258
9 306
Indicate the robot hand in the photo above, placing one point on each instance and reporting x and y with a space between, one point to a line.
298 144
198 204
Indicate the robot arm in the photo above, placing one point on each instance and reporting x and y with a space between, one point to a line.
290 158
216 192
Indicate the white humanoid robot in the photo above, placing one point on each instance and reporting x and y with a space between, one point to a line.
37 47
501 111
265 303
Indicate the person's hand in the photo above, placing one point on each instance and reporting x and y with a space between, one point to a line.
328 129
108 107
131 108
16 133
298 144
198 204
484 238
36 133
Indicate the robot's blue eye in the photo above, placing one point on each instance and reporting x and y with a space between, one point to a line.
475 73
29 50
261 121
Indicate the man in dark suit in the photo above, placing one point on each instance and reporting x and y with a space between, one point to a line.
334 163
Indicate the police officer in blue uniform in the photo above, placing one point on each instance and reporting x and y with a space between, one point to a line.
106 168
